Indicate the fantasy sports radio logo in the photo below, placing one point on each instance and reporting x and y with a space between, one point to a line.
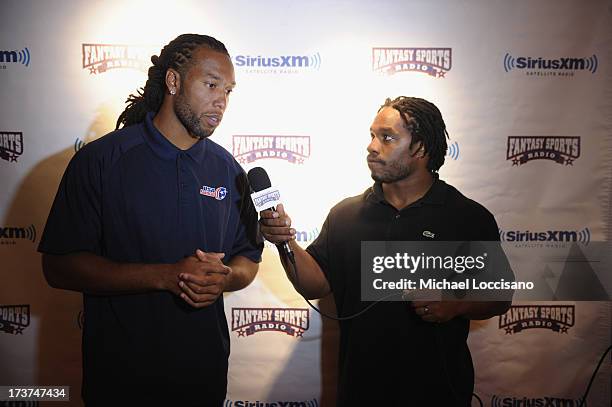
435 62
545 401
217 193
562 150
100 58
11 145
539 66
258 403
293 149
9 235
14 318
557 318
277 64
291 321
21 56
545 238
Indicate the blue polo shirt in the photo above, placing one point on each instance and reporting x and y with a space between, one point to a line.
132 196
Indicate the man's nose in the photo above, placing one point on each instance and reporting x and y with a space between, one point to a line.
374 146
221 98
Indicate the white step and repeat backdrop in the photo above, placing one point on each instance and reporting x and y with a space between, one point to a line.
525 88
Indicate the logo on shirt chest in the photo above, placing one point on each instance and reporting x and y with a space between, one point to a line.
217 193
429 234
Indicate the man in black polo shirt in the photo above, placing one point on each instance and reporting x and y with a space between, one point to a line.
153 222
395 354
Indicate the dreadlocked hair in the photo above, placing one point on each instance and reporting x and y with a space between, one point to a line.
177 55
424 122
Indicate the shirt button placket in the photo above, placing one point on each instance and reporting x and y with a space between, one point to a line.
182 181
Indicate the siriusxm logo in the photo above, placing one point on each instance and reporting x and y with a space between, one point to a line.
581 236
78 144
453 151
513 401
302 236
9 235
15 57
11 145
557 318
278 63
257 403
563 66
306 236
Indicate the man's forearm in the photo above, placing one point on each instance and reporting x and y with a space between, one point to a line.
310 280
243 273
89 273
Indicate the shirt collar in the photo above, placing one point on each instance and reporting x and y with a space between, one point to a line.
162 147
436 194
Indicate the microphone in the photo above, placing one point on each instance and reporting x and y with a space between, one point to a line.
265 197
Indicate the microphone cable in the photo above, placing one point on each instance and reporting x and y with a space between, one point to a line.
291 256
586 393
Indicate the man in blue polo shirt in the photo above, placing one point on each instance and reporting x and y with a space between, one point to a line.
153 222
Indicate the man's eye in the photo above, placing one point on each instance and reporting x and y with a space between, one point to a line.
387 137
228 91
210 85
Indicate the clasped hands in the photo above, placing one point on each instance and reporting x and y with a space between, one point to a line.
201 278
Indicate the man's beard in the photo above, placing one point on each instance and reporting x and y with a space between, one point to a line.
189 119
391 173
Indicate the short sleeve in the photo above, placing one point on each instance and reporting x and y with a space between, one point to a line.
248 241
489 231
498 267
74 223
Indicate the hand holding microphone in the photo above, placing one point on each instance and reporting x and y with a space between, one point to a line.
276 225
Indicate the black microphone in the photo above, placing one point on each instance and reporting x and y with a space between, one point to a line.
265 197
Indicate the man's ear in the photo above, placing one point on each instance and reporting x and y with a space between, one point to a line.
173 81
418 150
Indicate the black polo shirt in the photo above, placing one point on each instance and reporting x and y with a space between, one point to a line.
133 197
388 355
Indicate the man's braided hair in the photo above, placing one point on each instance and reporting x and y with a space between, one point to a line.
177 55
